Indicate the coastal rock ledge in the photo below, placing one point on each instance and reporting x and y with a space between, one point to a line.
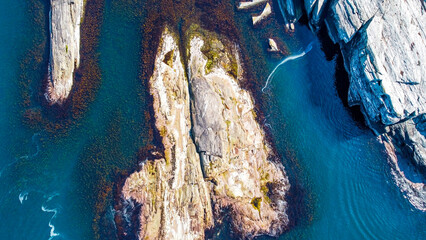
65 19
216 158
383 46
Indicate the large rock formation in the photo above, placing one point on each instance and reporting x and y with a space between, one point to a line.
175 197
65 19
224 163
383 45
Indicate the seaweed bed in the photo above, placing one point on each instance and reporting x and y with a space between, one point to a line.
214 16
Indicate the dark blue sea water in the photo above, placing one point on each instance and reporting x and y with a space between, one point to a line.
48 185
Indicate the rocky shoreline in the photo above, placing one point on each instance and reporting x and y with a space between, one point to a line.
382 43
215 156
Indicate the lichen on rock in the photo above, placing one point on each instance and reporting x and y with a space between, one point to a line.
215 154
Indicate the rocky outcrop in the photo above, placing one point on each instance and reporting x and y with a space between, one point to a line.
223 164
175 197
382 43
383 47
232 145
250 4
273 47
65 19
267 10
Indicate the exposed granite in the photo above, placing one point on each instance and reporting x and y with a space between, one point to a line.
250 4
384 60
383 45
174 196
65 20
267 10
232 146
224 163
273 47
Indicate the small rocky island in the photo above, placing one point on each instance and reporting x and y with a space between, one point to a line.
215 154
64 20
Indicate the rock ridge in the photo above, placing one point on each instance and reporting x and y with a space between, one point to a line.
215 156
65 19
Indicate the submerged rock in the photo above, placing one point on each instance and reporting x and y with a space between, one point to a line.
224 164
65 19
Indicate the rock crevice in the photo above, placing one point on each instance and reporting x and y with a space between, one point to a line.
215 156
383 46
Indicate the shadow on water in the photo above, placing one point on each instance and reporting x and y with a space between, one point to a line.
341 81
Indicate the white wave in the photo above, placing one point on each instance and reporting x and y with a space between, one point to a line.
289 58
23 196
55 212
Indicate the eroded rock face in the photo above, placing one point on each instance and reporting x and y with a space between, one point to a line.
223 163
65 19
383 45
175 197
233 150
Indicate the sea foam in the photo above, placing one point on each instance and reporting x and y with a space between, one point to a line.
289 58
55 212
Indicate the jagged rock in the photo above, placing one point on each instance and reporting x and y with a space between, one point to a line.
291 10
316 13
228 148
65 20
272 45
247 5
265 13
174 196
245 179
383 48
411 134
383 45
415 192
346 17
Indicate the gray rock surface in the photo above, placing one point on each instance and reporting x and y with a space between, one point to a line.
65 20
383 46
208 128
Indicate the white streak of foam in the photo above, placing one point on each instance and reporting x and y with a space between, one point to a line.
23 196
55 212
289 58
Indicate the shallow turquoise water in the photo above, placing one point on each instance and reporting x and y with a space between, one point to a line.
341 166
